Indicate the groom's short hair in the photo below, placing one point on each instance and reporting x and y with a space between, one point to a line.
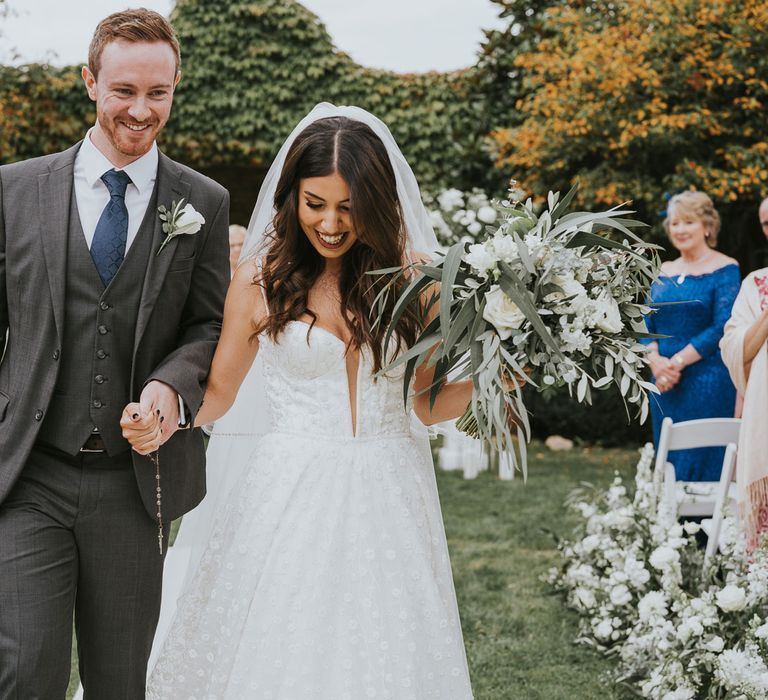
131 25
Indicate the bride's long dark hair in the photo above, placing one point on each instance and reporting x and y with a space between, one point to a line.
351 149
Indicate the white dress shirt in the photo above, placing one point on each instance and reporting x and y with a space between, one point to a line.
92 194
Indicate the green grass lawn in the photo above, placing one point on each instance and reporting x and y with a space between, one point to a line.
519 637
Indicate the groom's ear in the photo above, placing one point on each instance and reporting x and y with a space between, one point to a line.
90 82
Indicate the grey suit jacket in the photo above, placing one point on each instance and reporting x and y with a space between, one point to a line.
178 323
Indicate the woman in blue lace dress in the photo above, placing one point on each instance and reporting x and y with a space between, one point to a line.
686 366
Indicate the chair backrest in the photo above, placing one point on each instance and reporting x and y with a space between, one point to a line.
726 476
686 435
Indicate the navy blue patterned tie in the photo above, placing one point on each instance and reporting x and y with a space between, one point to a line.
108 246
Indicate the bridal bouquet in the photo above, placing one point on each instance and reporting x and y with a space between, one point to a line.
550 299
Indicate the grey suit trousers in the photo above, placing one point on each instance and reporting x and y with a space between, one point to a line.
75 539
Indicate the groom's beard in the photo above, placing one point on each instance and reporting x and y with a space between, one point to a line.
127 141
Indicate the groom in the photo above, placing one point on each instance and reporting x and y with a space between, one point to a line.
96 313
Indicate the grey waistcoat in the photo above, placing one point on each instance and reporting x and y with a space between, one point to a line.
93 383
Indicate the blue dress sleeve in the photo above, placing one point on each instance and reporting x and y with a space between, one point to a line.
727 287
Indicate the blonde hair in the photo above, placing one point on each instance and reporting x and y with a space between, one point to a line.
132 26
699 206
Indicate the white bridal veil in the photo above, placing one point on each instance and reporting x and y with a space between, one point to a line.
235 436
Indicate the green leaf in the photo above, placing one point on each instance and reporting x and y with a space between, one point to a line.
450 269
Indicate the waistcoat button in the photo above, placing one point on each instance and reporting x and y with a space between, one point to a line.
99 379
100 354
97 403
56 354
103 330
104 306
38 414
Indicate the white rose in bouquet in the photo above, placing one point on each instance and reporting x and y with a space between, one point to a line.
502 312
731 598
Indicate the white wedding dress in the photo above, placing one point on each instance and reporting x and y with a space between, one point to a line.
326 576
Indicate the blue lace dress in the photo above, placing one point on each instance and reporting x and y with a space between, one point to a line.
705 390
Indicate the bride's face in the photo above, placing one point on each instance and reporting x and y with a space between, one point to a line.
324 214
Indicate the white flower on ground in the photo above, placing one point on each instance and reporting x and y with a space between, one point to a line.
604 629
653 604
715 644
662 558
620 595
584 598
481 258
502 312
731 598
691 528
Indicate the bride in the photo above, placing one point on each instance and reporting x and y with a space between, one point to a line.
322 572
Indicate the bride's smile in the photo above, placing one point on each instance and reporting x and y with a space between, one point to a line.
324 214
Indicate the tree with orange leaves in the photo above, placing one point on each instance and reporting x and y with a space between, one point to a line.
636 99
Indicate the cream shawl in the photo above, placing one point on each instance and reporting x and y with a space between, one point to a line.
752 466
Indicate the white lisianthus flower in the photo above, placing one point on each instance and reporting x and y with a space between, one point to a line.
502 312
475 227
570 288
620 595
716 644
486 214
731 598
605 314
481 258
662 558
505 247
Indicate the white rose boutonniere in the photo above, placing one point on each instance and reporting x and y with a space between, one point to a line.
179 220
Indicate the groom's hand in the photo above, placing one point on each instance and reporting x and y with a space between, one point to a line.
140 429
157 396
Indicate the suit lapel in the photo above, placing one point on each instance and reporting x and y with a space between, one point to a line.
54 201
171 186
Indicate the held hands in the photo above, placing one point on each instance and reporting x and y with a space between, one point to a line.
150 423
666 372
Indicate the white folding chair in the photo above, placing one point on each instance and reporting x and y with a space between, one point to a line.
459 451
691 498
725 496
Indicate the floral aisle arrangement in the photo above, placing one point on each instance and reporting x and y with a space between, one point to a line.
460 217
634 575
555 297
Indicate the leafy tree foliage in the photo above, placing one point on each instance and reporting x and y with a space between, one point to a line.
641 98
